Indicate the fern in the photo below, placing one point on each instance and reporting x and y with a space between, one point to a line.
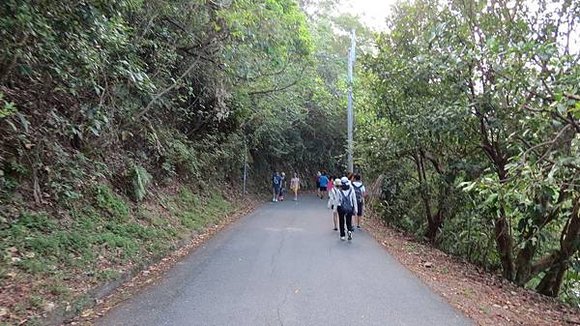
140 179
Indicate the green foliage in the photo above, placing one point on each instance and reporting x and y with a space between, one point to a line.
140 180
195 212
475 115
6 108
111 203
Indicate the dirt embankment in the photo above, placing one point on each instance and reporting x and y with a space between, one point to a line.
78 262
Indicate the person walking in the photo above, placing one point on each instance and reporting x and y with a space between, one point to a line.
282 186
275 186
333 195
318 183
323 184
360 193
295 185
330 185
346 208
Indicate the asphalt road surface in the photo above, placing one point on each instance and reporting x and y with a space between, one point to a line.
284 265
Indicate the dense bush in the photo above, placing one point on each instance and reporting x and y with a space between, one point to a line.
185 89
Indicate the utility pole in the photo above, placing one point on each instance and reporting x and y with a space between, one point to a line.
245 167
350 114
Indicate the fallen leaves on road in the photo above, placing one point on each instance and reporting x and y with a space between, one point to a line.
486 298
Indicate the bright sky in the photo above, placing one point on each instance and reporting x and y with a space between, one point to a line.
372 12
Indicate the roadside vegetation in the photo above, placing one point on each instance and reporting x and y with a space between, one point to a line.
53 263
474 127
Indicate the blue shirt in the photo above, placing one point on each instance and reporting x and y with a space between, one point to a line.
323 181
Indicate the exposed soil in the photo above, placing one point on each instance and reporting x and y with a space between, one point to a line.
486 298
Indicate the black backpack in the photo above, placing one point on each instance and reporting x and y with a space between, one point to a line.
358 193
346 203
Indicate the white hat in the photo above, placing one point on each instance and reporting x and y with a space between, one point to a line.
344 180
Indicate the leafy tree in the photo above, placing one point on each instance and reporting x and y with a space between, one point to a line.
482 96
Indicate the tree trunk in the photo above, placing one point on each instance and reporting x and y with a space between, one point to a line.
523 264
524 268
552 280
503 233
502 230
433 220
434 225
504 245
569 245
419 161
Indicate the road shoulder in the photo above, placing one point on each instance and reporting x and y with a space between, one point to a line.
486 298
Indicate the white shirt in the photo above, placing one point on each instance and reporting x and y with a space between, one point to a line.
362 189
294 183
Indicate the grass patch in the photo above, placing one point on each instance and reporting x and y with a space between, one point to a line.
196 213
59 289
108 275
112 203
97 239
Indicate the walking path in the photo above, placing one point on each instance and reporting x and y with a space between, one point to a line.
284 265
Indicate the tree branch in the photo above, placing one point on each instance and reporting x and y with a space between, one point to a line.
167 90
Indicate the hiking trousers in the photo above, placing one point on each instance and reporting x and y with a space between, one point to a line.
342 216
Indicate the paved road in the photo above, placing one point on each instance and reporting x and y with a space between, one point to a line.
284 265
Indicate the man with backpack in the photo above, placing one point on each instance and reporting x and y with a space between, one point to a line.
323 185
360 193
276 180
347 206
282 186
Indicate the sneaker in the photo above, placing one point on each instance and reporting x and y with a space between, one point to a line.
349 235
342 238
358 226
335 229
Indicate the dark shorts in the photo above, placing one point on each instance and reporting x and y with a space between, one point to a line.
360 208
323 188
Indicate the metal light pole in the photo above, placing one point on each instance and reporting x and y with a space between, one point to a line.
350 114
245 167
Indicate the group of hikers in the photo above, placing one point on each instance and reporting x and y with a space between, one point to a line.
279 186
345 197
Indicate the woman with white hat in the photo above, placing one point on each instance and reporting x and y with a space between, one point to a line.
333 195
347 206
